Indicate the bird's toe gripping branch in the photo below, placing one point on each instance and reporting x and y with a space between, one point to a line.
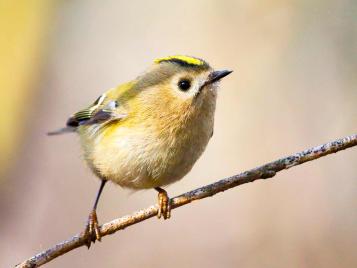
164 204
92 232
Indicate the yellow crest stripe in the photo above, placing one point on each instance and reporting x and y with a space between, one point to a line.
186 59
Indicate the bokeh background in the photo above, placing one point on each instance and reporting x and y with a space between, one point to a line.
293 86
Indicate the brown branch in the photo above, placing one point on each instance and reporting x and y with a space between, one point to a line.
263 172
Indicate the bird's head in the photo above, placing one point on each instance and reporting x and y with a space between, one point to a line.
179 84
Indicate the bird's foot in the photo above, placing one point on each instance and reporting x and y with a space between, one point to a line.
92 232
164 204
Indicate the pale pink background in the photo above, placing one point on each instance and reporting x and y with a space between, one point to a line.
293 86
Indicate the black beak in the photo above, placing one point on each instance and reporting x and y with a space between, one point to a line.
217 75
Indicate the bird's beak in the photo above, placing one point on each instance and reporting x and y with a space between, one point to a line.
216 76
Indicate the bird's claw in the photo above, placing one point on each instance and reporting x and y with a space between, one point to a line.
164 205
92 232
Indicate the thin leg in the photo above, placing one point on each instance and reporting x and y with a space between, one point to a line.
92 228
164 204
98 194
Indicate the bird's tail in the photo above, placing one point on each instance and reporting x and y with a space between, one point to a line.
61 131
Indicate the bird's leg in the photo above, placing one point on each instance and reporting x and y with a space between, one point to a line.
164 204
92 232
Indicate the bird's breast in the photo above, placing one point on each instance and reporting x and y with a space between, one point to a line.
152 154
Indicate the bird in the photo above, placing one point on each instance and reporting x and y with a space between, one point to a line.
149 132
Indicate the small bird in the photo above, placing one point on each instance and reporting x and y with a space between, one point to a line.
149 132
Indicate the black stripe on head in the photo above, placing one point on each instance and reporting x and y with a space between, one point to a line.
184 61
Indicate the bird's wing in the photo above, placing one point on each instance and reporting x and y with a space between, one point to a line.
101 111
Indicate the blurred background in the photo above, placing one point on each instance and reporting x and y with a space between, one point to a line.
293 87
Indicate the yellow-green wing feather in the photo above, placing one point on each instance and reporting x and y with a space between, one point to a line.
104 109
86 114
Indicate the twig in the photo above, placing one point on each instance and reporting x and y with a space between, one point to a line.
263 172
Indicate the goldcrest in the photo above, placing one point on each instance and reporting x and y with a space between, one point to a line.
149 132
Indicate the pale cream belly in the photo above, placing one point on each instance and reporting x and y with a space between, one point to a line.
139 159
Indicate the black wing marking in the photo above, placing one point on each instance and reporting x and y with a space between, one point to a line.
86 114
94 114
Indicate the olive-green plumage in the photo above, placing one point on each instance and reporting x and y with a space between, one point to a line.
149 132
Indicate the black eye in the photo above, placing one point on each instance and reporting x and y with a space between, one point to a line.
184 84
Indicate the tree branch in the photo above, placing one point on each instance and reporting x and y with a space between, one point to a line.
263 172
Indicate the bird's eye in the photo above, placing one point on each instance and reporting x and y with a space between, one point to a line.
184 84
